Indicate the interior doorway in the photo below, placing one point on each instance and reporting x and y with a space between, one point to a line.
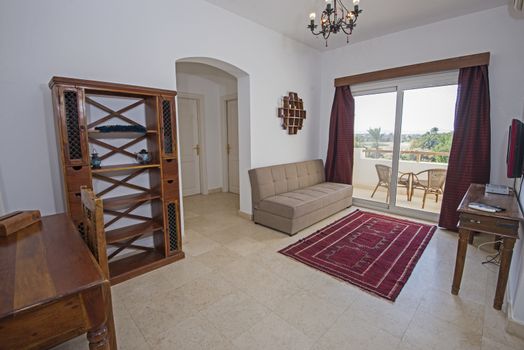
231 157
215 80
191 143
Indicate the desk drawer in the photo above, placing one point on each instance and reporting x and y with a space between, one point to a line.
488 224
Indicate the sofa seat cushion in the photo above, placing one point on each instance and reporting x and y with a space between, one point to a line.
301 202
334 192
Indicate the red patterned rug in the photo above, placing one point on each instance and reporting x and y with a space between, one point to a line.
374 252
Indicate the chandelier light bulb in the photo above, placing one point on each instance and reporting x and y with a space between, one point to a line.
312 16
356 2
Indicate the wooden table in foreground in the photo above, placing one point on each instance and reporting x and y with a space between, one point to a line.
504 224
51 288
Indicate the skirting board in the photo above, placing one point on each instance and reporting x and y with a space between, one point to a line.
244 215
214 190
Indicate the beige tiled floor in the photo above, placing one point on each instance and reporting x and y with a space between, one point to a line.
234 291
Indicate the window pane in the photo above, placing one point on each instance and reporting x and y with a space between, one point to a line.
427 132
374 135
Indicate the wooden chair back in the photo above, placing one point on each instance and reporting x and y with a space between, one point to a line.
94 237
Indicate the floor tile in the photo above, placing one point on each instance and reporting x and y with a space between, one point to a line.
217 258
273 333
205 290
234 314
308 313
196 244
428 332
352 332
194 333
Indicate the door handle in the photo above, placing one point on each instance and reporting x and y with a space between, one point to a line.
228 148
197 148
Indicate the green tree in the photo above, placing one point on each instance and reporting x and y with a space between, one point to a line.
434 141
376 135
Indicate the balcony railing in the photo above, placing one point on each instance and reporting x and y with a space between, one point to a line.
418 156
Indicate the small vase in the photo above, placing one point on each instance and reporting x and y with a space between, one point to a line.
96 162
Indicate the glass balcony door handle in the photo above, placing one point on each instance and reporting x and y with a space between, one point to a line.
197 148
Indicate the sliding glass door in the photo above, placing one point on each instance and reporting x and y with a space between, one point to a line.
374 139
403 134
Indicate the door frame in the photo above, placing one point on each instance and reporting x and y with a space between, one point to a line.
399 86
202 159
225 166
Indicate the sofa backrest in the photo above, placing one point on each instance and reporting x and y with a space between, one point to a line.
272 180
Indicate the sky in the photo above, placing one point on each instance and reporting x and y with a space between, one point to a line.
423 109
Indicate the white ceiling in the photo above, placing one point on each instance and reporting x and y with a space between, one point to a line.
379 17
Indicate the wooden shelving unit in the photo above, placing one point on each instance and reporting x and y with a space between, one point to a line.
137 242
292 113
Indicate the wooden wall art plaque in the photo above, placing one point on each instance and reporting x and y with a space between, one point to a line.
292 113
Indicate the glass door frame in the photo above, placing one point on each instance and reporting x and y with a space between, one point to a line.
399 86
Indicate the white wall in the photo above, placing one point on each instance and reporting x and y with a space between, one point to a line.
213 84
493 30
137 42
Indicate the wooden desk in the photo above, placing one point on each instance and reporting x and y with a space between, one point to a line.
504 224
51 288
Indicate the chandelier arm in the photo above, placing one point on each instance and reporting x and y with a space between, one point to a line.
312 32
344 30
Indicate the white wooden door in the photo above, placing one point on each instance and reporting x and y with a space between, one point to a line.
232 145
189 145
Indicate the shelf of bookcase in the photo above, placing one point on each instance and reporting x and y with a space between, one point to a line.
123 167
95 134
116 203
128 232
136 264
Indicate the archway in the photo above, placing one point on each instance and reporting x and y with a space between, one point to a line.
244 134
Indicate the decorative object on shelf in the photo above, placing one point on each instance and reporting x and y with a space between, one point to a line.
143 157
335 18
292 113
121 128
96 161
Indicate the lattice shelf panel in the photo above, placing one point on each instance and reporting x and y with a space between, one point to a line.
292 113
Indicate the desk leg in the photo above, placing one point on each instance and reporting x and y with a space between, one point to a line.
461 259
98 338
110 319
505 261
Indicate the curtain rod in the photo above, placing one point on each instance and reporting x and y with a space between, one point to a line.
416 69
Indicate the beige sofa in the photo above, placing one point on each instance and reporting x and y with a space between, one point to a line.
291 197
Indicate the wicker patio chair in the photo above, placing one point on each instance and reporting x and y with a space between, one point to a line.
431 181
384 180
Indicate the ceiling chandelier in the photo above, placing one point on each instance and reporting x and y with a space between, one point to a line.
335 18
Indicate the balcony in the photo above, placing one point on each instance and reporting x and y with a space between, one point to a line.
365 176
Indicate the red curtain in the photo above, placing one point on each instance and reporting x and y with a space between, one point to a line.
470 156
339 161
